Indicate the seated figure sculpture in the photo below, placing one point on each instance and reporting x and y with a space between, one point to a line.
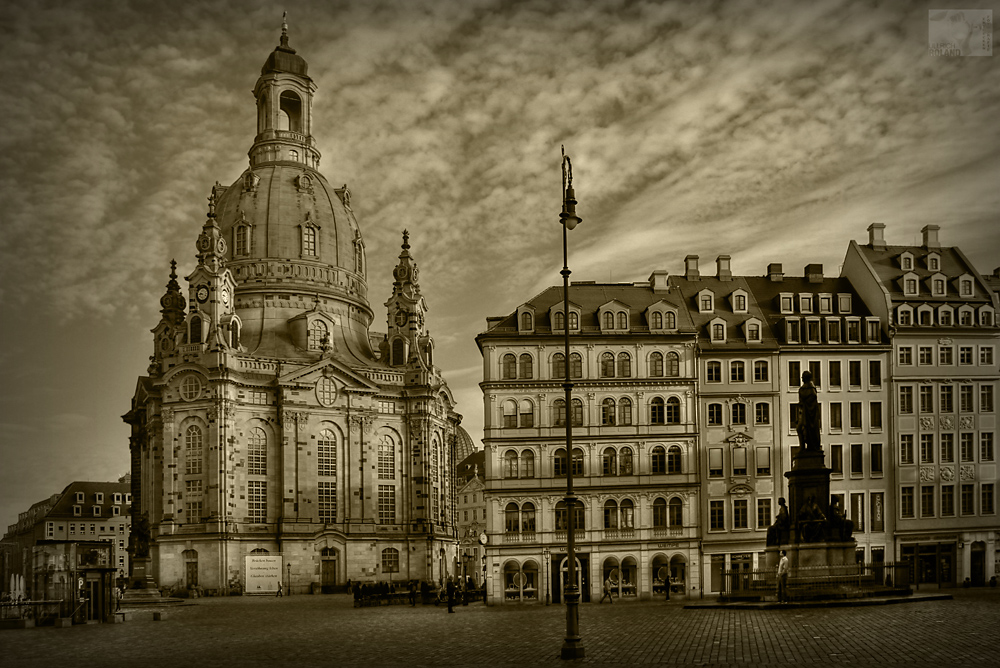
811 521
777 533
841 528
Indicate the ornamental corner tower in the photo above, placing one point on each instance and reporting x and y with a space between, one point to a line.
272 421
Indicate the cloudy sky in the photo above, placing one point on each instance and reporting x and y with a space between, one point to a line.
771 131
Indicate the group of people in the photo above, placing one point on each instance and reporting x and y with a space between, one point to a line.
382 593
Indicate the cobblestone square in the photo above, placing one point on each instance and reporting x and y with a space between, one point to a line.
327 630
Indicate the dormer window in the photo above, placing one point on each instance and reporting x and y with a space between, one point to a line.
608 321
986 317
945 316
79 497
906 261
853 330
874 330
706 301
559 323
806 303
826 303
933 261
752 330
844 304
785 302
622 320
661 319
937 286
965 287
717 330
97 511
526 322
925 316
910 286
965 316
98 497
813 330
904 315
793 330
319 334
656 320
833 330
739 301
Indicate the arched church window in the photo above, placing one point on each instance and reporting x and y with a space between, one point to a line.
359 259
386 458
398 352
257 452
293 155
234 334
195 330
190 388
319 334
192 450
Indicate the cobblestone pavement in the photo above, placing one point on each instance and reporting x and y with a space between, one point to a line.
327 630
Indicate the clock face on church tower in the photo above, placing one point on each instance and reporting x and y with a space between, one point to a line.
202 293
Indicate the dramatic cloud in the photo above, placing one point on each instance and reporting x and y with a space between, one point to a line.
771 131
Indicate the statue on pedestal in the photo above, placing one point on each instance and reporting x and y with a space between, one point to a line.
808 423
841 528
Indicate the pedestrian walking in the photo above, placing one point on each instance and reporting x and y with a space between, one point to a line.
451 594
413 593
118 599
607 591
279 590
783 578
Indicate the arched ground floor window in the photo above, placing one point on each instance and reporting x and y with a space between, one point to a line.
624 576
520 581
672 571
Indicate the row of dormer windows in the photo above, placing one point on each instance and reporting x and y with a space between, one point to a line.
831 330
932 261
936 285
944 316
117 497
809 302
610 321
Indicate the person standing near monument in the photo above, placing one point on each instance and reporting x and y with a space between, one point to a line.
783 569
451 594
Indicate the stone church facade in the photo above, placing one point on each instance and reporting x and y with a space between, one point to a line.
271 419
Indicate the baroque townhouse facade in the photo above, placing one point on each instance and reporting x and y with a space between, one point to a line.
82 512
271 419
635 460
739 458
824 327
942 317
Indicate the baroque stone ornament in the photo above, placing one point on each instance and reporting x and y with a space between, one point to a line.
926 473
947 473
167 414
947 422
926 423
966 422
967 472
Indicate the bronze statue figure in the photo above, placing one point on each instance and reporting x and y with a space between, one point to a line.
808 423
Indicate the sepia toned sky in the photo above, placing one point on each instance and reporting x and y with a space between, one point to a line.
772 131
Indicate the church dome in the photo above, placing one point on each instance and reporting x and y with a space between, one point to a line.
284 223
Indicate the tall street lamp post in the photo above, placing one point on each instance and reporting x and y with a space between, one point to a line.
572 647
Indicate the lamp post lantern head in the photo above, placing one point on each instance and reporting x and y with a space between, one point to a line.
568 216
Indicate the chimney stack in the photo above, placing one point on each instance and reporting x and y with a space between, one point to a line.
691 268
658 281
774 272
722 270
930 233
814 273
876 236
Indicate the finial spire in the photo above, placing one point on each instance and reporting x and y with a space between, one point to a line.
406 240
173 270
284 29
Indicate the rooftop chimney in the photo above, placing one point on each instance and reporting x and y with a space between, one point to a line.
774 272
658 280
876 236
814 273
691 268
930 236
722 270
